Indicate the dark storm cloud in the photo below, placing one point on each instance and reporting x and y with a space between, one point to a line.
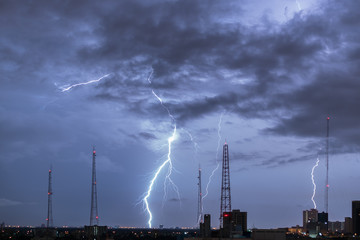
273 57
285 159
147 136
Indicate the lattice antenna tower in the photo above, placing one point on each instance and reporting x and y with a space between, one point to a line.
225 205
200 203
94 217
327 166
49 219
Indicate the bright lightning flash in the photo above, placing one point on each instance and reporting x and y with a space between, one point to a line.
216 156
65 89
313 181
167 161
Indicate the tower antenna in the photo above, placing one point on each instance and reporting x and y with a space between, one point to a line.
327 166
225 205
49 219
94 217
200 204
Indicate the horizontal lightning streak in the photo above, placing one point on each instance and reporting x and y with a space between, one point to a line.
65 89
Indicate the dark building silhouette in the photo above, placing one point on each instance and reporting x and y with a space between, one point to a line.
96 232
205 227
323 219
356 217
310 219
348 225
234 224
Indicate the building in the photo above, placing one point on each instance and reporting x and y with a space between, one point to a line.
356 217
336 227
348 225
234 224
96 232
239 223
323 219
205 227
310 217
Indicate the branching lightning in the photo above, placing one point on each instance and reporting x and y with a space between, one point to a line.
313 181
167 161
65 89
216 156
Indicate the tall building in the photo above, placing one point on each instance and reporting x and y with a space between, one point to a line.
205 227
234 224
310 222
348 225
309 216
356 217
323 219
239 221
225 204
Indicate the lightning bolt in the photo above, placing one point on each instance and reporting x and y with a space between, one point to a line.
149 78
65 89
196 145
216 156
313 181
298 5
166 162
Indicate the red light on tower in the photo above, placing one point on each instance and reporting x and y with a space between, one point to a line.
328 118
94 152
327 185
226 215
97 217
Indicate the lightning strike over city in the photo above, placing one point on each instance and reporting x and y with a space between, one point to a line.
167 161
265 76
313 181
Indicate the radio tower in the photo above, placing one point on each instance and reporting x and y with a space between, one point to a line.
225 205
327 166
49 219
94 218
200 206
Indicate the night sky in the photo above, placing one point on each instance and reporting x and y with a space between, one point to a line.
268 73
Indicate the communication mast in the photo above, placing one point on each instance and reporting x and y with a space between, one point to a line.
200 204
94 217
327 166
225 205
49 219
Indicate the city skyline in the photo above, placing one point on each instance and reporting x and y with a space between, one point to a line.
126 76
